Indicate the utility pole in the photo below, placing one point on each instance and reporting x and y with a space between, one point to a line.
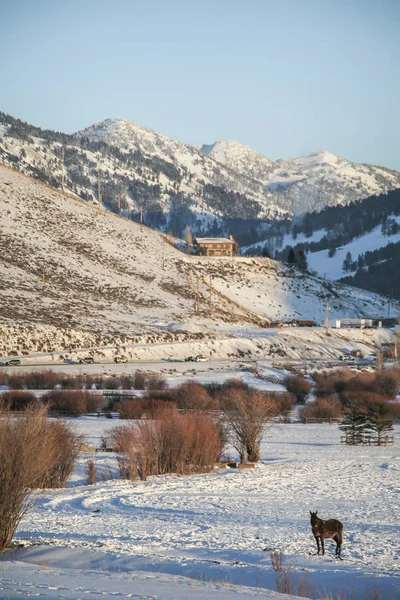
327 308
98 188
62 169
210 301
197 303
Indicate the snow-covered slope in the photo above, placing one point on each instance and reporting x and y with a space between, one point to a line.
240 158
141 168
311 182
299 184
66 263
195 167
332 266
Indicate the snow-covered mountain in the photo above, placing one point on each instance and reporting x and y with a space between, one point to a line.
240 158
307 183
66 263
177 184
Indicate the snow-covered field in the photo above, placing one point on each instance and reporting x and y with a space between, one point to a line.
203 535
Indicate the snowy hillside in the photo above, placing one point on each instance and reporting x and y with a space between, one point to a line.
332 266
307 183
240 158
69 264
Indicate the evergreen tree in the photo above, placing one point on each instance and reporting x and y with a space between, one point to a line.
332 251
348 262
360 261
302 261
291 257
354 424
266 252
379 422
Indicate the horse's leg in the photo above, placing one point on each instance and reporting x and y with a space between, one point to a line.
317 540
340 540
336 539
322 544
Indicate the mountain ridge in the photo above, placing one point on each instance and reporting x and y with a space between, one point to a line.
176 184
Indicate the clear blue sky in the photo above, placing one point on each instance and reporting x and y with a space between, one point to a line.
286 77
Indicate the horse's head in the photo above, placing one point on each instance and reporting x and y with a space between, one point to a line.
314 517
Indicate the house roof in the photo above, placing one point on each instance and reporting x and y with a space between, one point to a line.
201 240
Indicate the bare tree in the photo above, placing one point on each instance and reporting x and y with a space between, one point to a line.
188 238
246 413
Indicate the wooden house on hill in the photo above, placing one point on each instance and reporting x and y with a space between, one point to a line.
215 246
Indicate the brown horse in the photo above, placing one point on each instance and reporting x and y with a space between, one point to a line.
326 529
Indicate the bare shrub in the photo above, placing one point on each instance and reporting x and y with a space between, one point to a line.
285 401
130 409
363 399
95 402
171 443
142 408
17 399
286 583
71 402
193 396
65 447
41 380
122 438
322 408
110 383
387 383
31 455
394 408
277 560
127 382
328 383
153 406
299 386
154 381
91 471
139 380
237 384
246 413
345 382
